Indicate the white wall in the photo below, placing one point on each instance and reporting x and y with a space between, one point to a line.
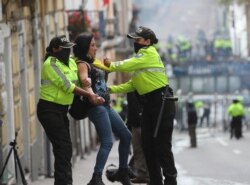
238 33
73 4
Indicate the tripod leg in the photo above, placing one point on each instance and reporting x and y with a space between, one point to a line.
6 162
19 166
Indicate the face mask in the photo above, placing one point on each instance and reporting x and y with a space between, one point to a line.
63 55
138 46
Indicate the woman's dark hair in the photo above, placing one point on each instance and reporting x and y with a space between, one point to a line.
81 48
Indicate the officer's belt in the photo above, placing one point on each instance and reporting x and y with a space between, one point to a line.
158 70
151 95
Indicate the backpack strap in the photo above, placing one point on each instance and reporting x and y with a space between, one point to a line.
91 72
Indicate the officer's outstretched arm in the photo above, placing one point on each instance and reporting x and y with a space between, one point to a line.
122 88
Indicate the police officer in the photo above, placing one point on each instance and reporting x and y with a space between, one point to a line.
192 122
150 81
134 123
236 111
58 78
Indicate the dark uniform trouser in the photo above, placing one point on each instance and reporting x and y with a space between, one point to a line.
192 134
236 127
158 152
139 159
55 122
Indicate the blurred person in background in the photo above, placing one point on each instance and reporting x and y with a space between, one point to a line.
236 111
192 122
205 114
134 119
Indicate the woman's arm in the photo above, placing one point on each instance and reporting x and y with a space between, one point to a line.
122 88
85 81
92 97
86 85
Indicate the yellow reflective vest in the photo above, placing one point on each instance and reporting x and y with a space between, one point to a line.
148 70
58 81
236 109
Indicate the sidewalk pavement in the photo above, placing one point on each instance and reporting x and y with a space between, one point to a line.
83 169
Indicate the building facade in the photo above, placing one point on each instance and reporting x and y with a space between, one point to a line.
26 28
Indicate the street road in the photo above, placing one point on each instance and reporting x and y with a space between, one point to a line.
218 160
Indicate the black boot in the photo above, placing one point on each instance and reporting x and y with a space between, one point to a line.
96 180
122 176
170 181
131 173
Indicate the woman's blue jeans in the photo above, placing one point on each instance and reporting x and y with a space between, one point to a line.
107 120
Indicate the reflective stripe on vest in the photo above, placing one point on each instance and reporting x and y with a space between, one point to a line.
59 73
158 70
